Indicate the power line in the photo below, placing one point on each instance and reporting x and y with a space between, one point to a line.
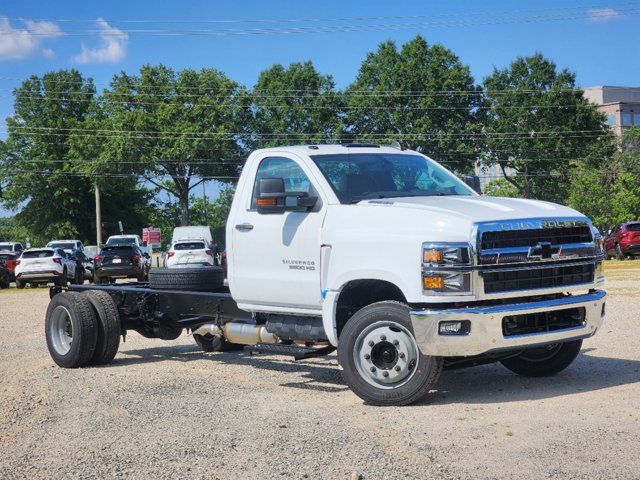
344 28
253 106
329 19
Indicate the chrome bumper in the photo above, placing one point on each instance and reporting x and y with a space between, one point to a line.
486 326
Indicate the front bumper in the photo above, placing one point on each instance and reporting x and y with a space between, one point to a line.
486 334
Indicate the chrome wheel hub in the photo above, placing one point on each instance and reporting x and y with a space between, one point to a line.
61 330
386 355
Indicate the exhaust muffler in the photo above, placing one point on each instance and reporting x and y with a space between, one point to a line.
237 332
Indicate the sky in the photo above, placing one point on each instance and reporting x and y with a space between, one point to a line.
598 40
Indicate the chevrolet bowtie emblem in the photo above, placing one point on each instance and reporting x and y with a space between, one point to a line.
543 251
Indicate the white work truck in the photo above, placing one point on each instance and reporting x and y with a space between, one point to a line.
377 252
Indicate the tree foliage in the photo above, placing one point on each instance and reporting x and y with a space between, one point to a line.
40 175
539 127
294 105
422 96
185 125
610 192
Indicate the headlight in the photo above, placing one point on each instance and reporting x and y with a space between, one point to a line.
446 268
442 254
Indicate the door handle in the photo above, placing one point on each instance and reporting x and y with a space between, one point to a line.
244 227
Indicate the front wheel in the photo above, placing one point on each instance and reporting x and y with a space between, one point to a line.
380 357
544 361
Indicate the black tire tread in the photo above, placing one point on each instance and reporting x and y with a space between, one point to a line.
88 334
563 358
400 313
205 279
109 328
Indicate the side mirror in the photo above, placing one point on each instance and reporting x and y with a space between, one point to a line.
101 246
272 198
473 181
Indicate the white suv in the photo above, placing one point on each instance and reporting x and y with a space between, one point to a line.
13 247
189 253
44 265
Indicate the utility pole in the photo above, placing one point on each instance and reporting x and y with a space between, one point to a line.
204 199
98 217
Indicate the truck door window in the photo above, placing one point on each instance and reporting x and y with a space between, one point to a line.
294 178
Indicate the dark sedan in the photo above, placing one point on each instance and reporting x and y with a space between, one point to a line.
120 261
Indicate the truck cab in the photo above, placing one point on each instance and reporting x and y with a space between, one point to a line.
385 255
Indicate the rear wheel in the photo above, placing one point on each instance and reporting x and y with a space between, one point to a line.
380 357
19 284
71 330
544 361
109 328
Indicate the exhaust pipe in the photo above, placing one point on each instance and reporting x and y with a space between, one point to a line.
240 333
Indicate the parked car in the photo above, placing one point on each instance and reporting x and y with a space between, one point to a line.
8 260
120 261
198 232
623 240
13 247
131 240
43 265
190 253
5 280
68 246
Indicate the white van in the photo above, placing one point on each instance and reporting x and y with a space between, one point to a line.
191 233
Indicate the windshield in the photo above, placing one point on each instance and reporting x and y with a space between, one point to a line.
6 246
122 241
362 176
62 245
7 256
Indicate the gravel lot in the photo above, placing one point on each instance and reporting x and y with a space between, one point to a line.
165 410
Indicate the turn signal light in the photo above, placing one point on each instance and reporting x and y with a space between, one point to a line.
266 202
433 282
432 255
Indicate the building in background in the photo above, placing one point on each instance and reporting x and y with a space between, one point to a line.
621 105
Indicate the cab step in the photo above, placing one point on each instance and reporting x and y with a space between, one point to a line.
298 352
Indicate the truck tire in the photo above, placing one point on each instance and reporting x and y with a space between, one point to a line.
380 358
544 361
71 329
109 328
19 285
213 343
205 279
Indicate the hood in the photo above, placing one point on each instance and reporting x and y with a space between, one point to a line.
479 208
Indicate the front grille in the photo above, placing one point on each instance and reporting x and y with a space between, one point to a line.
531 278
533 236
541 322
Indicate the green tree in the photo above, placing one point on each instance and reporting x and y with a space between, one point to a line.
501 188
294 105
422 96
539 126
38 172
610 192
185 126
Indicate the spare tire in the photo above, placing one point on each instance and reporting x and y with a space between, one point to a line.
205 279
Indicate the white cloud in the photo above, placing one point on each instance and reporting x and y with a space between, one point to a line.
48 53
601 15
112 48
19 43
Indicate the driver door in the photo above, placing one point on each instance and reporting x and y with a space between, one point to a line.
276 257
